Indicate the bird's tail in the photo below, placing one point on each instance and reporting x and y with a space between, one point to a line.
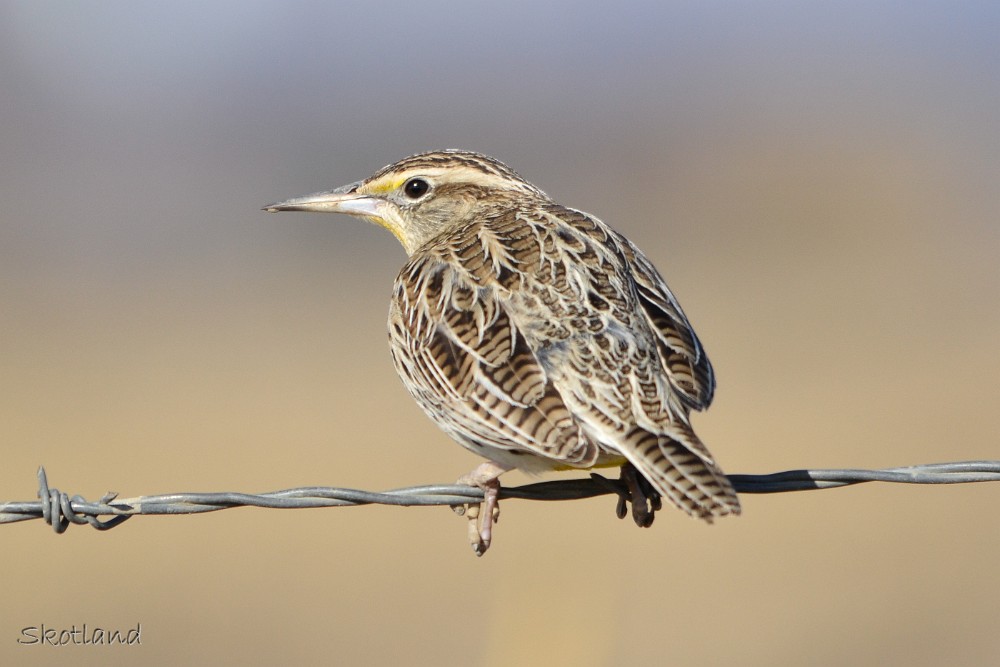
680 468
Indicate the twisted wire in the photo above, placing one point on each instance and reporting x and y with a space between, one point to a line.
59 510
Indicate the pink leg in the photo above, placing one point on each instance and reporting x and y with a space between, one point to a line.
485 476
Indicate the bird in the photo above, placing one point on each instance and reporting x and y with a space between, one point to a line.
537 336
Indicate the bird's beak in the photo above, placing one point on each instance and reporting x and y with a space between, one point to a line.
344 199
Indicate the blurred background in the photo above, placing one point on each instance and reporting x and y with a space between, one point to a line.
817 182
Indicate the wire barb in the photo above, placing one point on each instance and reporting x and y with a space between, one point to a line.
59 510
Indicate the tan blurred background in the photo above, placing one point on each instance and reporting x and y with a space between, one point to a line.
819 185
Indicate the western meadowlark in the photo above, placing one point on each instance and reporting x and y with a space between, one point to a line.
537 336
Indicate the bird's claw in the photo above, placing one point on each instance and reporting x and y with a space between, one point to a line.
481 519
482 515
633 488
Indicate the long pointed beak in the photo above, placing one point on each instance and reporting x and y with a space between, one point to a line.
344 199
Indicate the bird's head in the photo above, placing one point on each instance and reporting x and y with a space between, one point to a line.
425 195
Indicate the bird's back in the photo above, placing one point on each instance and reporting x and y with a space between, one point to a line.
540 338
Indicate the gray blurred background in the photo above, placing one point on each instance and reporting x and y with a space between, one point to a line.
818 183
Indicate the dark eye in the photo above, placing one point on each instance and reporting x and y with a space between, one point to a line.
416 188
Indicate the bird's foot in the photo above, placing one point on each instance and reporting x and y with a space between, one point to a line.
483 515
644 498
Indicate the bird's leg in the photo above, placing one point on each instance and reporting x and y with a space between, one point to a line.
645 499
482 516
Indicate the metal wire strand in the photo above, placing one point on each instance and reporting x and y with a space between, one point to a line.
59 510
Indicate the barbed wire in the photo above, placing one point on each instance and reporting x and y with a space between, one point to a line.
59 510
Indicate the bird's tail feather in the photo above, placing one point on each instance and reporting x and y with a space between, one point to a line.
683 472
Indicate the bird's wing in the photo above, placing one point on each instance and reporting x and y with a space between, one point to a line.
469 367
684 359
630 367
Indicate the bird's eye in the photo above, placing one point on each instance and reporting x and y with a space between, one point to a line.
415 188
